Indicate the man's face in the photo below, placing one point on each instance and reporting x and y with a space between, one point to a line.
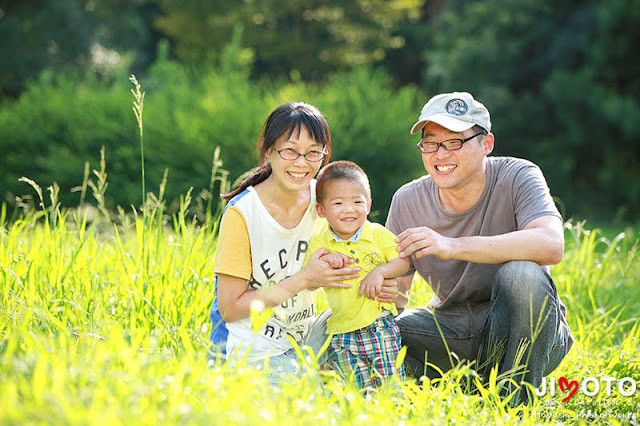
460 168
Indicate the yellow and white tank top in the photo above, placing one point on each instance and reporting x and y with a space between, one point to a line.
253 246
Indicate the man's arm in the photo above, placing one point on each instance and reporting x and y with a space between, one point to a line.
541 241
404 289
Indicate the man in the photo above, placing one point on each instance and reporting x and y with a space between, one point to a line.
481 231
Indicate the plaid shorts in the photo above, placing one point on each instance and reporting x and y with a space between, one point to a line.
369 354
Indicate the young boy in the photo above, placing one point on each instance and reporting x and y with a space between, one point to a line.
365 336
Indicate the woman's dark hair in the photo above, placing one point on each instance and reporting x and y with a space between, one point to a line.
341 170
287 118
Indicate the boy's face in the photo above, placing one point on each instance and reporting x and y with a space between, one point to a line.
345 205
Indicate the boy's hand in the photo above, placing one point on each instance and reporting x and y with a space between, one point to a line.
336 260
371 285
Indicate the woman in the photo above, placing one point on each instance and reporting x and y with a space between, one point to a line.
264 235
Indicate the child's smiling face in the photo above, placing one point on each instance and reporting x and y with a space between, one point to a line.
345 206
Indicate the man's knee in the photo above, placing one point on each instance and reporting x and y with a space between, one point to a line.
523 284
520 277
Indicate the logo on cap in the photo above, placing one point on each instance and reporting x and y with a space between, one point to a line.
456 107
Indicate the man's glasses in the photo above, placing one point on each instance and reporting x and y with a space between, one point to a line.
449 144
292 155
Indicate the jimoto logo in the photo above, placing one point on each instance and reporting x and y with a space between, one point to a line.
589 386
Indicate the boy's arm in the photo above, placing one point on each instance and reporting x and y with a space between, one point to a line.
394 268
372 283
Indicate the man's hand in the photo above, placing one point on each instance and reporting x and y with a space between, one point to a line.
390 291
423 241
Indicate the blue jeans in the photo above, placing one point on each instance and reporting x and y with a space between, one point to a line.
287 364
521 329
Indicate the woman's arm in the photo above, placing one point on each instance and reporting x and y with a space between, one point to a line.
234 300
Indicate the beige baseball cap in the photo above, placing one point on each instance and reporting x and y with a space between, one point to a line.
456 111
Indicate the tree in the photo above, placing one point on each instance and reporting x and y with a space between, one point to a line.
561 86
37 35
289 37
72 36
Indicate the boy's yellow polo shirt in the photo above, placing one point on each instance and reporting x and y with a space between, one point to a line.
372 246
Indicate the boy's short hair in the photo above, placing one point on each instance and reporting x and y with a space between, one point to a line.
337 170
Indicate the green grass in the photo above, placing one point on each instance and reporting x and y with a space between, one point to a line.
91 332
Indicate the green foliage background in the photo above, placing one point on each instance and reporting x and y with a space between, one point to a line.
59 123
560 79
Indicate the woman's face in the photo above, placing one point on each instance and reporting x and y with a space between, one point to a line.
295 175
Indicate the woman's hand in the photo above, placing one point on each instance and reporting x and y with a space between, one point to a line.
319 273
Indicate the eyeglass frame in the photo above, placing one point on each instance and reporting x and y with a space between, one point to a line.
323 152
441 144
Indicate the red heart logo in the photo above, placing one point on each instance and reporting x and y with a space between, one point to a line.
566 385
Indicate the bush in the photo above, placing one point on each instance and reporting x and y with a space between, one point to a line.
370 125
60 122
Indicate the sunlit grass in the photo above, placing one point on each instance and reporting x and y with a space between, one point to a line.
87 335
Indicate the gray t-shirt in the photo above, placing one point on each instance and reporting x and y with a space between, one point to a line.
515 194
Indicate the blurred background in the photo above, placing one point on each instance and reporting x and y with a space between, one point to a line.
561 79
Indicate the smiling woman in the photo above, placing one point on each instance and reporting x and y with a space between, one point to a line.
264 234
